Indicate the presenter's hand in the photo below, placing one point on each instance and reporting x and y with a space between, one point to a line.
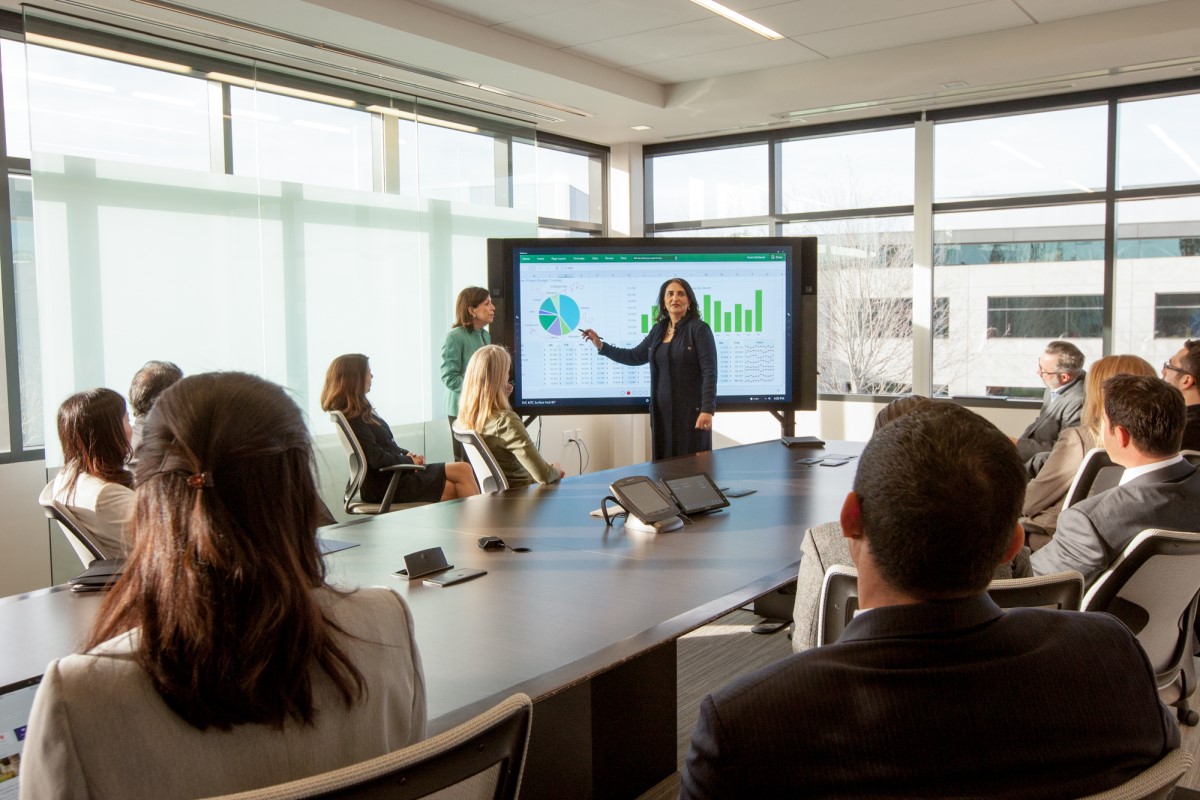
704 422
592 337
418 460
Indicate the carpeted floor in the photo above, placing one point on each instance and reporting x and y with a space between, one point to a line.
718 653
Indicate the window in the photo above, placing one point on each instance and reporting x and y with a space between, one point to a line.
1177 316
1051 152
288 139
1159 141
1045 317
861 170
710 185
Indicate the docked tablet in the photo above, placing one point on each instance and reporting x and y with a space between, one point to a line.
696 494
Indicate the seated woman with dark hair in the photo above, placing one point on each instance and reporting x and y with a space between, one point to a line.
347 382
94 483
222 661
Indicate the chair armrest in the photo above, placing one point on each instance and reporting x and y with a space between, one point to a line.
396 470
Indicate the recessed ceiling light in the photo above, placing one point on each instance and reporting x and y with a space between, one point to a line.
744 21
955 85
639 127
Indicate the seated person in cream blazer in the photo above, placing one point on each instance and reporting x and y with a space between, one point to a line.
222 662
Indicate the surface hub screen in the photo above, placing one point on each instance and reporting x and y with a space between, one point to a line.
742 292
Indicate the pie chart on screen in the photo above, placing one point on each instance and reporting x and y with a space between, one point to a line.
559 315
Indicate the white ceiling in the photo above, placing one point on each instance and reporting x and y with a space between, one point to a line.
596 67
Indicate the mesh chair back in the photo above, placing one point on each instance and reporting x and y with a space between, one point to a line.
354 454
82 543
1150 587
838 604
1155 783
481 758
488 474
1062 591
1096 474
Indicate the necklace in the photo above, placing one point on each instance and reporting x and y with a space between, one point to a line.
670 329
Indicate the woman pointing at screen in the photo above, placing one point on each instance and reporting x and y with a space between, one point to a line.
682 355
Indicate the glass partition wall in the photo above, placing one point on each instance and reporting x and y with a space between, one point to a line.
1073 217
233 215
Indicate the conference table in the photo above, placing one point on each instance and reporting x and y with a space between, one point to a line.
585 623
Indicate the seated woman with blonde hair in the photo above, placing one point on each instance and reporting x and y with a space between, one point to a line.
1044 494
221 661
95 484
484 409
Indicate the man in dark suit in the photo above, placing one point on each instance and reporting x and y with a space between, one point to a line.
1142 431
1061 368
1182 371
932 690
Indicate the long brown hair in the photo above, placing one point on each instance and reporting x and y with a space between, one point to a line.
1093 398
91 429
484 389
219 582
345 387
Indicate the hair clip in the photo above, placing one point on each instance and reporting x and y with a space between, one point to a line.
200 480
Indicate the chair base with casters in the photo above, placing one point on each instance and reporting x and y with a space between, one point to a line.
487 470
1153 586
358 472
482 758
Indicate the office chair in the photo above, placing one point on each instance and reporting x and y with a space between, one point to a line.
487 471
81 542
358 471
1096 474
839 596
1191 456
1154 783
1152 587
481 758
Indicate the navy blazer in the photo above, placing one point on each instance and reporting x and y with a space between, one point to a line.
944 699
693 379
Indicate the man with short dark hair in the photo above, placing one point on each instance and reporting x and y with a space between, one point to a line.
1182 371
1061 369
1142 431
932 690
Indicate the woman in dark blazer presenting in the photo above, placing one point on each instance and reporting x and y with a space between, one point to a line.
682 355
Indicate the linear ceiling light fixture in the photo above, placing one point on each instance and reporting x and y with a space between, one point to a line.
275 88
744 21
104 52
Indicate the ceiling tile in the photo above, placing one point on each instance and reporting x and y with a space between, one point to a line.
747 58
604 19
1050 10
812 16
676 41
493 12
950 23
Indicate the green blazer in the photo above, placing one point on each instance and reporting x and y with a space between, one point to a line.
461 343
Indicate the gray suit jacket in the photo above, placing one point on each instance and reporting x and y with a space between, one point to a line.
1094 531
1058 411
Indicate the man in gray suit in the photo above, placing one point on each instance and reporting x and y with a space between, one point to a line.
1061 368
932 690
1142 431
